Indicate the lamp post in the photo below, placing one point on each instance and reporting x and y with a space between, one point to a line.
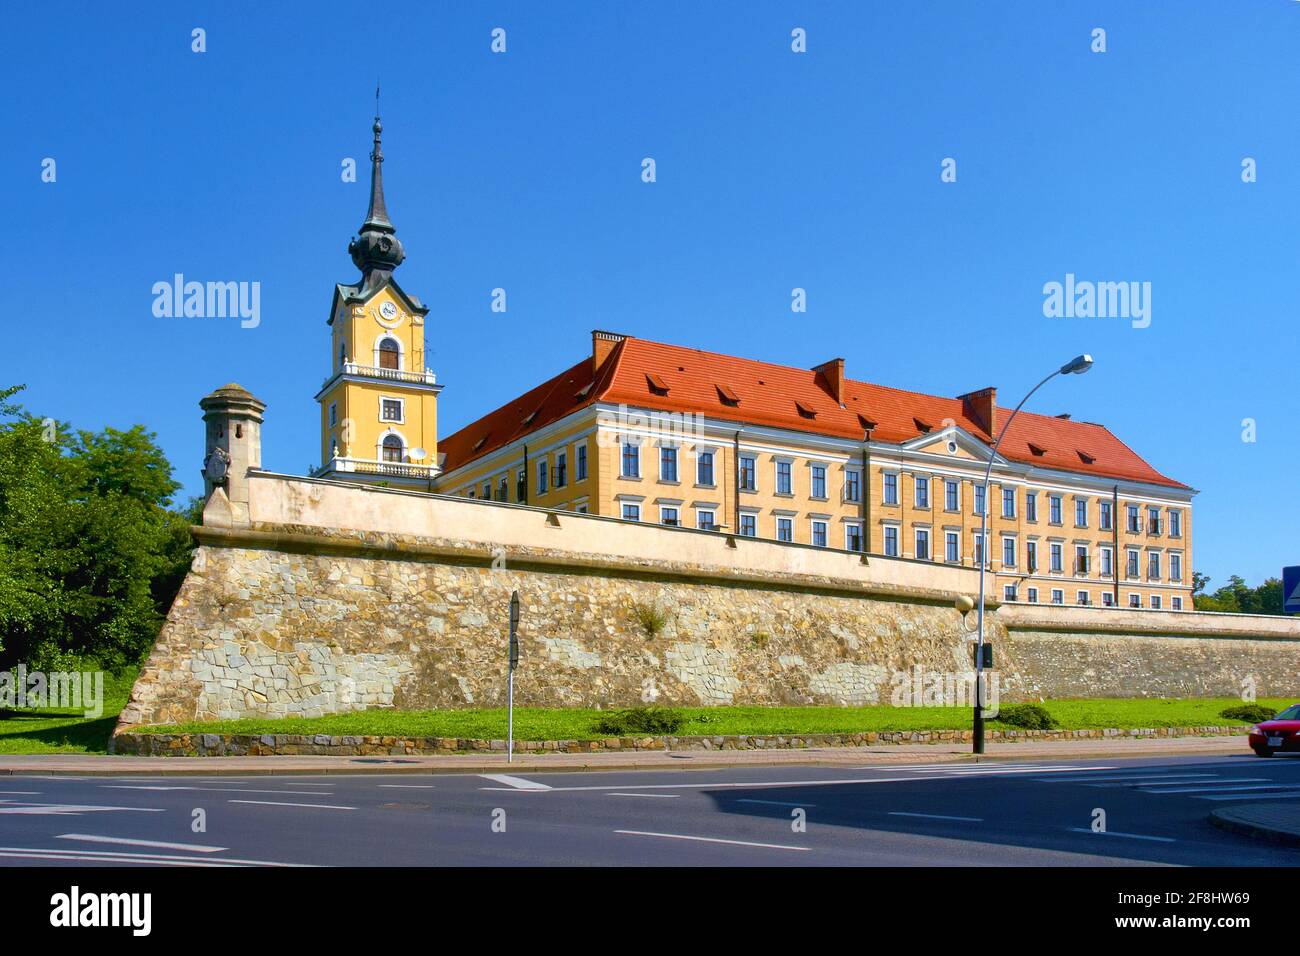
1076 366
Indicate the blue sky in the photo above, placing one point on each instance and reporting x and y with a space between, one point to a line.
775 170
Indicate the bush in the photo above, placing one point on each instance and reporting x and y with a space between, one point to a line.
1249 713
651 618
640 720
1029 716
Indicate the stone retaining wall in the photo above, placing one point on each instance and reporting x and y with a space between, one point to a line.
242 745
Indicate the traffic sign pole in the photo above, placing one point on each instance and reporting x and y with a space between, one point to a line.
510 679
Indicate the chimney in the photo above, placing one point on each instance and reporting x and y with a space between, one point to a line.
982 406
833 373
602 343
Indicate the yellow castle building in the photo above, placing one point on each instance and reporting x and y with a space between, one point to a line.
711 443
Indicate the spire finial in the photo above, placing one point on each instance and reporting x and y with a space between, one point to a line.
376 248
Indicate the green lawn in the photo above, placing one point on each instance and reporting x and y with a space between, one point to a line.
30 731
575 724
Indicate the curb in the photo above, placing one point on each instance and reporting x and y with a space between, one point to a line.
1224 820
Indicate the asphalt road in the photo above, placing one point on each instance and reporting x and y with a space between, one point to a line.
994 812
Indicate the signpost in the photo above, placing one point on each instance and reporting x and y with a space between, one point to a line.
1291 590
510 681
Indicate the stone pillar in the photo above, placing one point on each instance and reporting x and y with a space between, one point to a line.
232 443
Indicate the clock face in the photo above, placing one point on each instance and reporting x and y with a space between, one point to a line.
388 311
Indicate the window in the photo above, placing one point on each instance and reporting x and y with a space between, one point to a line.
580 462
389 353
819 533
1031 506
1054 509
783 485
704 520
1031 556
1135 600
668 515
1032 595
852 485
1104 515
631 460
667 463
747 473
1080 513
503 489
951 499
390 410
1153 520
852 537
1131 570
392 448
521 485
1107 599
1058 596
334 414
1081 559
891 488
1175 567
951 547
1008 502
1056 557
1008 552
819 481
580 509
1175 525
749 526
891 541
1155 602
561 469
922 544
1153 565
1081 597
979 499
343 354
541 477
784 529
1134 519
704 468
1107 562
978 551
1008 592
1176 604
631 511
922 496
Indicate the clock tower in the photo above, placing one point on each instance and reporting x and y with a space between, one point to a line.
379 403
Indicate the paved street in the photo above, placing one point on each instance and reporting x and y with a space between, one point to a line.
994 812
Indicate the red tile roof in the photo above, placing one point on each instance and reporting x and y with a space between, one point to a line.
696 381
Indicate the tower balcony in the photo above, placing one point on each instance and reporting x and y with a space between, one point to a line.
340 467
354 371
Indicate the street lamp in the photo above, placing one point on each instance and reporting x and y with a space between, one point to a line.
1076 366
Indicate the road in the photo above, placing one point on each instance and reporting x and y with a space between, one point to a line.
993 812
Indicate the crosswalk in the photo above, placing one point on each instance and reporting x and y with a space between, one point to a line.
1197 785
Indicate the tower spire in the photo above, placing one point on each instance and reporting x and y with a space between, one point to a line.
376 247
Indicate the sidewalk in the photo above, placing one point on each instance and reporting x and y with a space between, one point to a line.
1276 823
88 764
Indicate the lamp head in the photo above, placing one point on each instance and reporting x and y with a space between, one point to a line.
963 604
1077 365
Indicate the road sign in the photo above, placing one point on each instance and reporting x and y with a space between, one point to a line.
1291 590
514 630
510 676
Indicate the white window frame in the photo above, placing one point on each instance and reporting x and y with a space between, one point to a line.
401 409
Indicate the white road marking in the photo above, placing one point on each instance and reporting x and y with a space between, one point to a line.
1116 833
318 793
749 784
935 816
700 839
990 771
115 861
1149 781
519 783
24 793
1288 795
1220 788
775 803
50 809
658 796
156 844
276 803
122 855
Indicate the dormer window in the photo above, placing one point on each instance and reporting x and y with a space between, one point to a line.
389 354
1037 449
922 426
804 410
656 383
728 395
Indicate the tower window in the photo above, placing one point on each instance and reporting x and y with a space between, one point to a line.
392 448
343 354
388 354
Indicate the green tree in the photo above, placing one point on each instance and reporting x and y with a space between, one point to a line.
1237 596
90 555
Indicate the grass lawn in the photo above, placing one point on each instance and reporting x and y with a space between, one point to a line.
533 723
31 731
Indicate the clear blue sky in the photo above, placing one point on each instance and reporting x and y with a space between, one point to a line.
775 170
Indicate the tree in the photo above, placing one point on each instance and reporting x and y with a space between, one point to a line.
90 555
1237 596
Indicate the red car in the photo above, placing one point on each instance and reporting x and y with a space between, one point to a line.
1279 735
